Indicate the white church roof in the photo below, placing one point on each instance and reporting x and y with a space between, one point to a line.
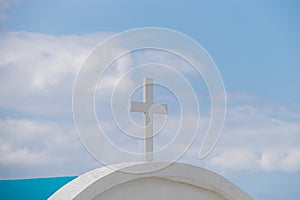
177 181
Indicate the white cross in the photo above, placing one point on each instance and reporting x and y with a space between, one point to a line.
148 108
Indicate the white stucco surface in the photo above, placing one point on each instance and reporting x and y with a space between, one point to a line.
177 181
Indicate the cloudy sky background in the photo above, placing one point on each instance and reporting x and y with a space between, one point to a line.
255 45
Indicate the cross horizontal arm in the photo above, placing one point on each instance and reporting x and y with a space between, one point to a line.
138 106
153 109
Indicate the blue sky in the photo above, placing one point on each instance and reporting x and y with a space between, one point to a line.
255 45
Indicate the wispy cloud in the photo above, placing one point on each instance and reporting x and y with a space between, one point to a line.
35 148
258 136
4 6
37 73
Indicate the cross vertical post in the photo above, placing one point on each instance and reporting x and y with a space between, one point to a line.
148 109
148 122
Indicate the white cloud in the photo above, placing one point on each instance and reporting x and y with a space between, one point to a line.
37 134
41 147
38 71
22 156
260 136
232 159
291 162
36 81
235 159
